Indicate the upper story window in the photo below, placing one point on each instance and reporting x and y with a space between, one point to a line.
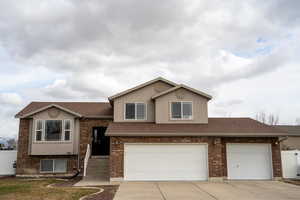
53 130
181 110
135 111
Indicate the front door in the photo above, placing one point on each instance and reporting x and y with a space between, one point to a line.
100 143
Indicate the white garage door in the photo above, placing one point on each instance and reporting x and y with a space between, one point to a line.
150 162
249 161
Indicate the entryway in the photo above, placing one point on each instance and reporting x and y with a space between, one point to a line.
100 142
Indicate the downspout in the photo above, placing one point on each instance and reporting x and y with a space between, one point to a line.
78 143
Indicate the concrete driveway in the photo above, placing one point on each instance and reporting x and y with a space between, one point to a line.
233 190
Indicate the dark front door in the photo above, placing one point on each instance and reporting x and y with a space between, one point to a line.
100 144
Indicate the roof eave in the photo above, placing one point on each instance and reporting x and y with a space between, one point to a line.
111 98
207 96
47 107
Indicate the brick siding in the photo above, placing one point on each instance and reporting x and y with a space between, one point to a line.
216 152
30 165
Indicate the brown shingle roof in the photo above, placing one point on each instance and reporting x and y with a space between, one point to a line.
215 127
292 130
86 109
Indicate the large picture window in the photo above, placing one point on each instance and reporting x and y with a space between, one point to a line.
53 130
53 166
135 111
181 110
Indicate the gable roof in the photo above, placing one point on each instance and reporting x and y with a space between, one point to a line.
216 127
292 130
79 109
111 98
207 96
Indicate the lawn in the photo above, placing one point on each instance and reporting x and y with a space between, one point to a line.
30 189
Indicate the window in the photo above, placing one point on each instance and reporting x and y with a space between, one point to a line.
55 165
67 129
53 130
135 111
39 130
181 110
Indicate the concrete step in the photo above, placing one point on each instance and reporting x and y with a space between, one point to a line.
97 169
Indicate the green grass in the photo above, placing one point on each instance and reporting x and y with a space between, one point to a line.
22 189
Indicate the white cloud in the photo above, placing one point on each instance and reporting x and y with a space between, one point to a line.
86 50
10 99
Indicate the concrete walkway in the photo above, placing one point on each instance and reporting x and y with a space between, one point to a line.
239 190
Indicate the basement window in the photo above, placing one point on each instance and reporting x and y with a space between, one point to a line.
53 166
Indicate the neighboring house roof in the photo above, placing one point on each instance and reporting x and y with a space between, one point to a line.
291 130
141 86
80 109
215 127
207 96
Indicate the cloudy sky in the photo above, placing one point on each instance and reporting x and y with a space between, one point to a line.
244 53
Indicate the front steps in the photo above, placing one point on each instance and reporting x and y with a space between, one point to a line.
97 169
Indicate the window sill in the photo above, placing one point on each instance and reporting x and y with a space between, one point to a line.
52 142
181 119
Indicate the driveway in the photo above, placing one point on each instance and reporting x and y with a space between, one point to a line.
233 190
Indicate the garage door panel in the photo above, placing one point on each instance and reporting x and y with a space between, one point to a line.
249 161
165 162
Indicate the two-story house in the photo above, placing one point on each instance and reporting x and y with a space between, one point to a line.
158 130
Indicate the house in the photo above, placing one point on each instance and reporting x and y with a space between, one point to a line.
159 130
292 142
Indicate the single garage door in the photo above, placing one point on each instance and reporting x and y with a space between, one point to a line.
249 161
151 162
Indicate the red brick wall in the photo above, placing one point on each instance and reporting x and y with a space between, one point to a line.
216 151
28 165
86 128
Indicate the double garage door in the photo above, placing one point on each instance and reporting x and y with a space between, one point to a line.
152 162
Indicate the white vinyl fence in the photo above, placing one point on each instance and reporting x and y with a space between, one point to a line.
291 164
7 159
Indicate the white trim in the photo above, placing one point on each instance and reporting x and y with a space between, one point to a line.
49 106
181 119
164 143
111 98
135 111
241 143
209 97
53 166
62 139
70 130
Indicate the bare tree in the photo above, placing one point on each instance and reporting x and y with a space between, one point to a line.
273 119
270 119
12 143
261 116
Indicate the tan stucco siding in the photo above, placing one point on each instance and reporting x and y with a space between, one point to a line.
163 107
142 95
55 147
291 143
